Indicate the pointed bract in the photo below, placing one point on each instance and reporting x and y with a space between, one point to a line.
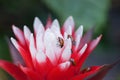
103 71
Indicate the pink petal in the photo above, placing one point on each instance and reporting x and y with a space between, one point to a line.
41 57
80 53
39 40
37 23
68 23
55 28
64 66
12 69
27 33
50 42
32 47
19 34
24 53
78 36
16 57
49 22
86 38
89 49
66 54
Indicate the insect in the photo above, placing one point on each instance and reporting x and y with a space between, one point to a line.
86 70
73 41
61 42
72 61
70 36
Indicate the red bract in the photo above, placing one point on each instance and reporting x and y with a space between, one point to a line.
51 53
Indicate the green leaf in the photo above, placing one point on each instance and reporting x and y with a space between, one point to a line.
86 12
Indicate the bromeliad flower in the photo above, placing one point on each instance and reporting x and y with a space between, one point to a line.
51 53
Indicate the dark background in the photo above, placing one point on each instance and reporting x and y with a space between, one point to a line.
104 15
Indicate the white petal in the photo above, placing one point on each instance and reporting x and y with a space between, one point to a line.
27 33
18 33
32 48
69 30
39 42
79 30
94 43
65 65
78 34
14 42
82 50
38 25
55 28
67 51
39 39
69 22
65 36
50 43
41 57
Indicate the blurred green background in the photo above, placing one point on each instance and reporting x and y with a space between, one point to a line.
103 15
